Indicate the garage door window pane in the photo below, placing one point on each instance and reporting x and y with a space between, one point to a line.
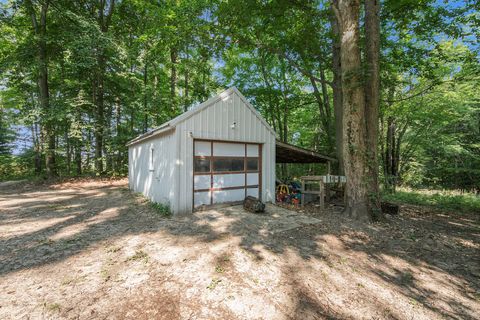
228 164
252 164
202 165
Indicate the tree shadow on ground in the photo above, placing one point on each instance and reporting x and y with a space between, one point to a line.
81 218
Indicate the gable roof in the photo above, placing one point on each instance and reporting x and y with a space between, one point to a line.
171 124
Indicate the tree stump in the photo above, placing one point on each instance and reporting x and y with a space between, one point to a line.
390 208
253 205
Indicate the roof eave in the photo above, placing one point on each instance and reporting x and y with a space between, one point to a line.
165 128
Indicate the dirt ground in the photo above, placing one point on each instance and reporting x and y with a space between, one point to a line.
94 250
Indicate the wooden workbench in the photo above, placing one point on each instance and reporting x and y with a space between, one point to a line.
323 190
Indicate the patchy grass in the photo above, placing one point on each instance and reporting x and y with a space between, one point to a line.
105 274
161 209
139 255
213 283
444 200
52 307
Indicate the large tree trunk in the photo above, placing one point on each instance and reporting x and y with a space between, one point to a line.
353 92
337 90
372 101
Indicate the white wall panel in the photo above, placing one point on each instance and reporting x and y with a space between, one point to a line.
252 179
201 198
228 180
157 184
252 150
252 192
228 195
202 181
203 148
228 149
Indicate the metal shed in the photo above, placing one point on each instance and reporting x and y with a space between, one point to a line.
219 151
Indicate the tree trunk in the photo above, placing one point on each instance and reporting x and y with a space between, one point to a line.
145 97
107 144
104 19
173 79
337 90
353 93
69 153
186 84
324 113
372 102
326 99
390 155
78 159
186 101
36 149
100 115
40 29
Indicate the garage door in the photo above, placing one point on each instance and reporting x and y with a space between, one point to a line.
225 171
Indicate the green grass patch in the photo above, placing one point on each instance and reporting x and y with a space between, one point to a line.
213 283
53 307
139 255
443 200
161 209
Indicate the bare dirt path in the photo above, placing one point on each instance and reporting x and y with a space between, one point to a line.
94 250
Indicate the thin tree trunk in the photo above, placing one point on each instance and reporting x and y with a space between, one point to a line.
104 19
324 113
145 97
69 153
389 154
173 79
326 99
337 89
88 149
78 159
107 145
40 29
36 149
100 116
186 100
186 84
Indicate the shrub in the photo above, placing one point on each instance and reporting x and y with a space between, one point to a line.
447 200
160 208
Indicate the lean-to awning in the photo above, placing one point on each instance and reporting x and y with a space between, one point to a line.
288 153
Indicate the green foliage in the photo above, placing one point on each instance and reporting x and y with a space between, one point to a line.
157 59
13 167
161 209
444 200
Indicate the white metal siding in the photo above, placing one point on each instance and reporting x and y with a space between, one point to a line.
214 123
158 184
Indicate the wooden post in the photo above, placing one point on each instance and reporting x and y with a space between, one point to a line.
303 192
328 180
321 193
